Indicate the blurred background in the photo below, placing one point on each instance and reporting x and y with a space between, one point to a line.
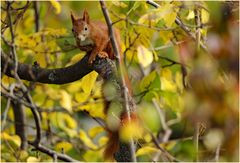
183 62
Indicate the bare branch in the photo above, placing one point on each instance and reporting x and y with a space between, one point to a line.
35 6
50 76
198 28
123 82
19 122
53 153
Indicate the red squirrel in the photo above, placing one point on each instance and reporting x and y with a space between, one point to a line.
92 36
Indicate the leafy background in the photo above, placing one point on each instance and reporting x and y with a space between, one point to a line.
178 87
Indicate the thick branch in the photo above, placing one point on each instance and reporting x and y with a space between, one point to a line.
50 76
20 121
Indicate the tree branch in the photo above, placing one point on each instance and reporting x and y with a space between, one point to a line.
50 76
53 153
35 6
124 89
19 122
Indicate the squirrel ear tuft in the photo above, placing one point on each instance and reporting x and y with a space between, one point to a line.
73 17
85 16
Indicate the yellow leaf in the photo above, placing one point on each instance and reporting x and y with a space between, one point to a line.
66 100
145 57
86 140
40 58
76 58
74 87
167 83
146 150
65 146
65 122
190 15
88 82
95 109
23 155
95 130
70 122
103 140
15 139
33 159
170 18
205 16
119 4
56 6
178 79
81 97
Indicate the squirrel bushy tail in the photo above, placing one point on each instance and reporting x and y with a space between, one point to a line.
112 145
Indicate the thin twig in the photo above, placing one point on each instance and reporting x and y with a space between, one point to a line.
196 140
138 24
11 88
198 28
168 156
217 152
24 89
53 153
35 6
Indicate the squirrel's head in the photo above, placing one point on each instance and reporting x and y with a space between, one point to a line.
81 28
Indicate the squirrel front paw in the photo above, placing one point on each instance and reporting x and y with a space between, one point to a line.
102 55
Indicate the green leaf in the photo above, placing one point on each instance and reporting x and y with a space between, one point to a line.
151 82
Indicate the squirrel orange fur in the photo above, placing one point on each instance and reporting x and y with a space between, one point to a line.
94 33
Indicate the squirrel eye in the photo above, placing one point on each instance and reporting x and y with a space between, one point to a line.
85 28
72 30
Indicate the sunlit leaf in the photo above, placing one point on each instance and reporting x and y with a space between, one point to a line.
103 140
33 159
167 83
95 130
63 146
41 60
66 100
146 150
81 97
14 139
191 15
88 82
119 4
56 6
145 57
86 140
205 16
91 108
